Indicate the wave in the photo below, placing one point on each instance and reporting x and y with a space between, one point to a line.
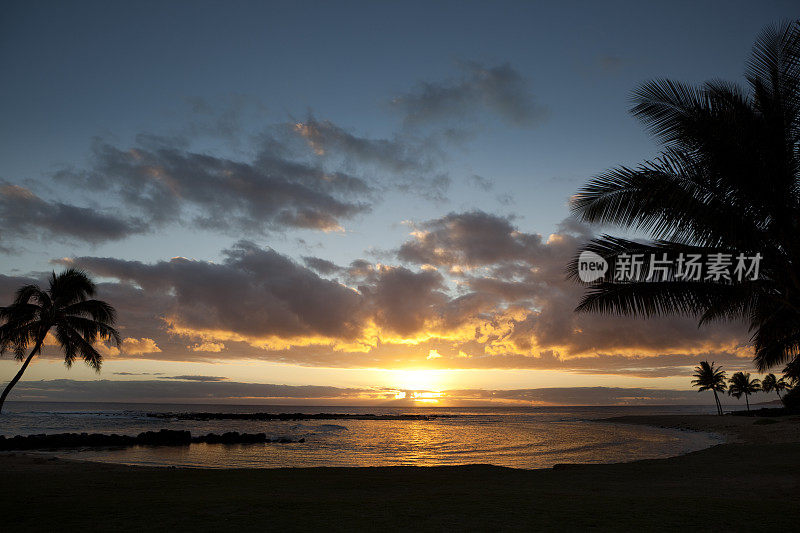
320 427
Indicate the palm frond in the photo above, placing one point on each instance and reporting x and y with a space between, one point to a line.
729 180
96 310
90 355
70 286
91 330
668 108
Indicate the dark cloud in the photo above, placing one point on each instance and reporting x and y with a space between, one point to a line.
487 295
433 188
167 179
323 266
501 90
10 284
173 391
405 162
469 239
254 292
259 293
284 184
522 285
169 184
404 301
24 214
399 155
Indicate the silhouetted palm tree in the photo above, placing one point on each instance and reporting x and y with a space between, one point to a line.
728 180
771 383
709 377
740 383
66 308
792 372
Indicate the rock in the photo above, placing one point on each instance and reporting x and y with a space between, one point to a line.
292 416
164 437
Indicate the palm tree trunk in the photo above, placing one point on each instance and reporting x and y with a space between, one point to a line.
779 394
716 400
19 375
747 401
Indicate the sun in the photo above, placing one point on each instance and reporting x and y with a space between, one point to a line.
417 380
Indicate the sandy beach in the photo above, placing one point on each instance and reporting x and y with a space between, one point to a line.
749 483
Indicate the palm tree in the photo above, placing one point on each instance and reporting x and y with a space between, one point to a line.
740 383
728 180
791 372
709 377
771 383
66 308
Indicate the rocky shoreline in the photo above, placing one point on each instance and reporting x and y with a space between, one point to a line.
164 437
291 416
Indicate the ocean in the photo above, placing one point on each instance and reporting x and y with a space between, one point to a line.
518 437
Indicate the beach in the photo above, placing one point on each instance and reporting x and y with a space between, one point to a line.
750 482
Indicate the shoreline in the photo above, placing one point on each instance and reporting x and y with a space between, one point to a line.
711 425
735 429
62 446
754 472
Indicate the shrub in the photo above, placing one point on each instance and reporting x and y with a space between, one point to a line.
792 399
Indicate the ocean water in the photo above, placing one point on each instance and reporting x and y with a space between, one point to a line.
529 437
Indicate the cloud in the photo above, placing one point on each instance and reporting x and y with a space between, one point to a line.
475 290
254 292
480 182
168 184
404 162
182 390
399 155
130 346
403 301
500 90
163 180
24 214
323 266
207 346
173 390
469 239
205 379
517 281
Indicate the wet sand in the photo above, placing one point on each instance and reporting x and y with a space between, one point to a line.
752 482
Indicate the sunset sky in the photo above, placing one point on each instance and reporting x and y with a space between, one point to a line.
347 201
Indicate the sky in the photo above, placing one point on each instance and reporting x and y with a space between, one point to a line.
343 202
